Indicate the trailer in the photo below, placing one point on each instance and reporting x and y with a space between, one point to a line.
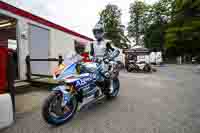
32 35
29 37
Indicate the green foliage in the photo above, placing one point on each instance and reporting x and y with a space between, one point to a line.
149 21
159 15
171 24
138 19
111 18
183 31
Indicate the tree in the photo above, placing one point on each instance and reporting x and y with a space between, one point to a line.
137 20
111 19
183 32
153 36
159 15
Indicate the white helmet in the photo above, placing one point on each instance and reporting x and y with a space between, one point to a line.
98 31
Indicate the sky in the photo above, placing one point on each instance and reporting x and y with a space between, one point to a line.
77 15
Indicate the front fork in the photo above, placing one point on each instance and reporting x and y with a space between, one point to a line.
66 95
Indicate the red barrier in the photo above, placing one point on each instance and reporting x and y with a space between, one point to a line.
3 69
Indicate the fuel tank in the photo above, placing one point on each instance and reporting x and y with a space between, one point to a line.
89 66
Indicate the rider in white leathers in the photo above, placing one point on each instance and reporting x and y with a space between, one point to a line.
100 47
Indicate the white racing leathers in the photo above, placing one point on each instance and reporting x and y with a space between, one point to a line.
98 49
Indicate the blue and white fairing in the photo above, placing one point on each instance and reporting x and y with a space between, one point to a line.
85 81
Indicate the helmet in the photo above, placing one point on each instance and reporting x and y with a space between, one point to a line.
98 31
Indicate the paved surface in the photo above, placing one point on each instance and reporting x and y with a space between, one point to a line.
163 102
30 102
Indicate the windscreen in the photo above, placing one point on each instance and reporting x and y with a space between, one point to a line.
71 58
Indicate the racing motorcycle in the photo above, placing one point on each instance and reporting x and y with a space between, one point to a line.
79 81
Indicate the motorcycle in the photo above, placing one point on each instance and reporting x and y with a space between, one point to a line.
79 81
142 66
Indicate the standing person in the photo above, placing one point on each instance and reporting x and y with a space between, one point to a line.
80 50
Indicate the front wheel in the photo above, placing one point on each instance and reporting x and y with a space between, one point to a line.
115 84
52 111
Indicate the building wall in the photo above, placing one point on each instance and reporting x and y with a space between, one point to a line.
60 42
23 48
23 43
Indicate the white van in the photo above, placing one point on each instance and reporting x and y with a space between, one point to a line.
156 57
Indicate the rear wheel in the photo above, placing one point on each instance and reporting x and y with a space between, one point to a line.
147 68
54 114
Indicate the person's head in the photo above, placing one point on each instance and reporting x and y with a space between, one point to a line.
98 31
79 47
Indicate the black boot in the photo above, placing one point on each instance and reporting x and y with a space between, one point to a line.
106 86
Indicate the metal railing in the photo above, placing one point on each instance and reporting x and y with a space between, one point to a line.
29 73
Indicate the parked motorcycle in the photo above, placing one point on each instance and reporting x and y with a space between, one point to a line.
142 66
93 80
